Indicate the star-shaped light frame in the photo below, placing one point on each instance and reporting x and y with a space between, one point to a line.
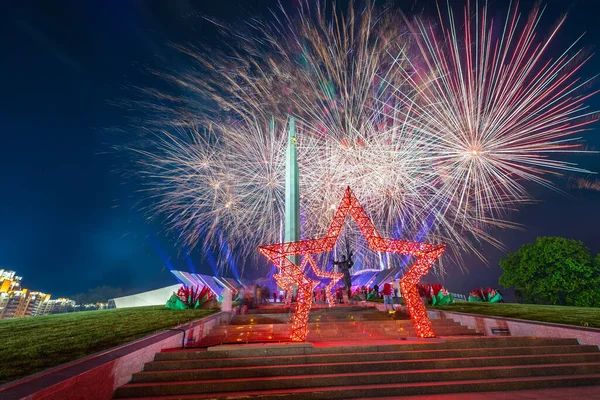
280 253
333 277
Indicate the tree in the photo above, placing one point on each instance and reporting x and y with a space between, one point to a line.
99 294
553 270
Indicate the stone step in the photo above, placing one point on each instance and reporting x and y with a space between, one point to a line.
284 321
333 312
375 328
341 330
435 322
325 336
403 332
335 330
402 389
333 326
366 356
353 379
360 366
318 309
308 349
284 318
370 336
328 331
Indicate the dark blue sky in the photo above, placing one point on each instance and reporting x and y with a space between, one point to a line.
68 221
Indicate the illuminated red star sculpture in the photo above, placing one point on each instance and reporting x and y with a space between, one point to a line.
425 255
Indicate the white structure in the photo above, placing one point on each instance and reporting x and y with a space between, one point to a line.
160 296
156 297
226 305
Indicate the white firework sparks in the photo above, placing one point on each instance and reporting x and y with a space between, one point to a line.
496 109
435 144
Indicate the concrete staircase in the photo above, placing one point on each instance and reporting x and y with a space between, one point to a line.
355 352
366 369
327 325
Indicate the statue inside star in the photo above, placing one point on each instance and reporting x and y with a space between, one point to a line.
344 265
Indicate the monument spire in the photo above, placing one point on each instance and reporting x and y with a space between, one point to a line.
292 190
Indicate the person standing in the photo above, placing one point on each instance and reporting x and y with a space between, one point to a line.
396 291
257 293
387 296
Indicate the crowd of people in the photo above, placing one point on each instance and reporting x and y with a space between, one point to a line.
256 295
390 291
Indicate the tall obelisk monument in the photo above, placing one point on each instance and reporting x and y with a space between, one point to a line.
292 190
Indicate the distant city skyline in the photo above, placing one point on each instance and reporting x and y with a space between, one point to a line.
17 301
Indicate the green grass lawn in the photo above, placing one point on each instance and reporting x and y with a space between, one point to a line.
29 345
580 316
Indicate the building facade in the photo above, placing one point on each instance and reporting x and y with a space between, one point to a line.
57 306
18 302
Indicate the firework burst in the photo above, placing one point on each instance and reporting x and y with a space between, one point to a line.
496 108
435 138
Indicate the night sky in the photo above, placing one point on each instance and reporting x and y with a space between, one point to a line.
69 220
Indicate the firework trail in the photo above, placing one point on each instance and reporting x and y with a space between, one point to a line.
436 133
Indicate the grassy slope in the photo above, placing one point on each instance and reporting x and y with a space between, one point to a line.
29 345
580 316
